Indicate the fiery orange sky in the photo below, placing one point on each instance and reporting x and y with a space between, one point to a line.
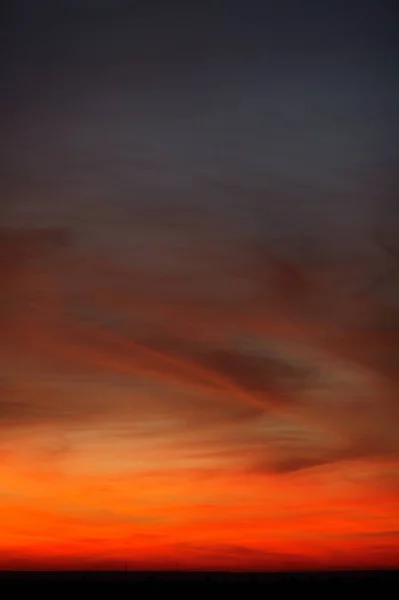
199 347
134 434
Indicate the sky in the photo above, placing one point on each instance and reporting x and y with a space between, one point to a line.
199 299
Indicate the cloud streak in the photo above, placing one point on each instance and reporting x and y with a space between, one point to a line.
290 372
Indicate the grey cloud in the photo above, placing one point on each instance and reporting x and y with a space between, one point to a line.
204 381
19 246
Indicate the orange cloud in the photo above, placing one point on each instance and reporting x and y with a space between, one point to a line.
161 419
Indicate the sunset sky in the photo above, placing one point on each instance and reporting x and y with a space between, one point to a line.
199 285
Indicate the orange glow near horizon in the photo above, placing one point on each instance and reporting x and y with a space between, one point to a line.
81 512
185 439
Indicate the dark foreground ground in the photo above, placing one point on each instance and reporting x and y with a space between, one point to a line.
188 582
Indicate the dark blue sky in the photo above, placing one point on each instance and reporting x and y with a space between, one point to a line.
267 119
